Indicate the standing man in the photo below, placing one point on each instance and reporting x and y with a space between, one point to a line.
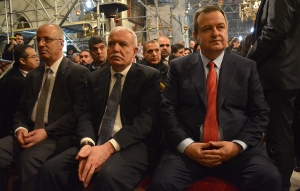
275 49
214 114
118 154
48 110
152 58
8 50
85 58
12 84
192 45
98 50
165 49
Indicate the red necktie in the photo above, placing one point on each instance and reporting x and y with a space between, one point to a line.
211 124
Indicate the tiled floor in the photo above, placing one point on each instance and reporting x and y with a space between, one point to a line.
295 180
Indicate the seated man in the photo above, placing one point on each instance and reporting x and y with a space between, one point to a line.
98 51
12 84
48 110
152 57
85 58
117 127
214 114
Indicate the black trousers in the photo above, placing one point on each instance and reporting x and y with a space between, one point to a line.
28 161
248 172
122 171
279 134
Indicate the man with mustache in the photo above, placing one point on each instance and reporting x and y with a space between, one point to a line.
98 50
114 156
48 110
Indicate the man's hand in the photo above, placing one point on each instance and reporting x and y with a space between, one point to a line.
196 151
20 136
34 137
226 150
91 160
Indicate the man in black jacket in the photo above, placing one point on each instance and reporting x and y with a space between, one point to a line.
276 51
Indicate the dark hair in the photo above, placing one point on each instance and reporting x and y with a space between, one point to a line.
195 47
149 42
85 50
20 52
96 39
246 45
176 47
233 40
206 9
18 34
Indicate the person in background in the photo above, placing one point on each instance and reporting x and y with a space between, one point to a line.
187 51
197 47
234 46
192 45
98 51
75 58
213 114
85 58
177 50
246 46
8 50
165 49
275 49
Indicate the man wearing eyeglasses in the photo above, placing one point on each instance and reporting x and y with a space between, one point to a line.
14 42
12 84
48 110
97 46
165 49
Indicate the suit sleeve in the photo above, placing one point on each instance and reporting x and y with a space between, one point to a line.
145 111
280 18
257 111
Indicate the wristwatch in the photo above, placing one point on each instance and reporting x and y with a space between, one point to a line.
86 143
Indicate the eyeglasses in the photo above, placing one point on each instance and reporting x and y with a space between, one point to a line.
162 45
46 39
34 56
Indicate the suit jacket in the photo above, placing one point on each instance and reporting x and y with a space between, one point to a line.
276 44
242 110
66 100
163 68
138 105
11 88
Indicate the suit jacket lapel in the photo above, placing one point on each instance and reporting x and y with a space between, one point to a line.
197 75
60 77
227 73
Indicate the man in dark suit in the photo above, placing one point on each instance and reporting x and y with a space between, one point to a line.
9 48
276 51
152 58
237 110
47 114
121 161
165 49
12 84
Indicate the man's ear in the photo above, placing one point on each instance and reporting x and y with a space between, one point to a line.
22 61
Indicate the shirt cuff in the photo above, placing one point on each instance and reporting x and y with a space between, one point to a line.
19 129
87 139
115 144
243 145
183 144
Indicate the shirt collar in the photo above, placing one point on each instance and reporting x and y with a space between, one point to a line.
217 61
54 67
124 72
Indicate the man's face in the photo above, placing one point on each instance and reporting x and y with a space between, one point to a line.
85 58
99 52
152 53
31 61
212 34
50 43
179 53
192 44
165 47
19 39
121 49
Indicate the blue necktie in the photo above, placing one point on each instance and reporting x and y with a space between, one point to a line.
109 118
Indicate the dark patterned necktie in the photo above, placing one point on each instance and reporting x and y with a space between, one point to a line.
109 118
41 105
211 124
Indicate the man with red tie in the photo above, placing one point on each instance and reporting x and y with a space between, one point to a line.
214 114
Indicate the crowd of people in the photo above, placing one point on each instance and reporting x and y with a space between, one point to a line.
108 116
